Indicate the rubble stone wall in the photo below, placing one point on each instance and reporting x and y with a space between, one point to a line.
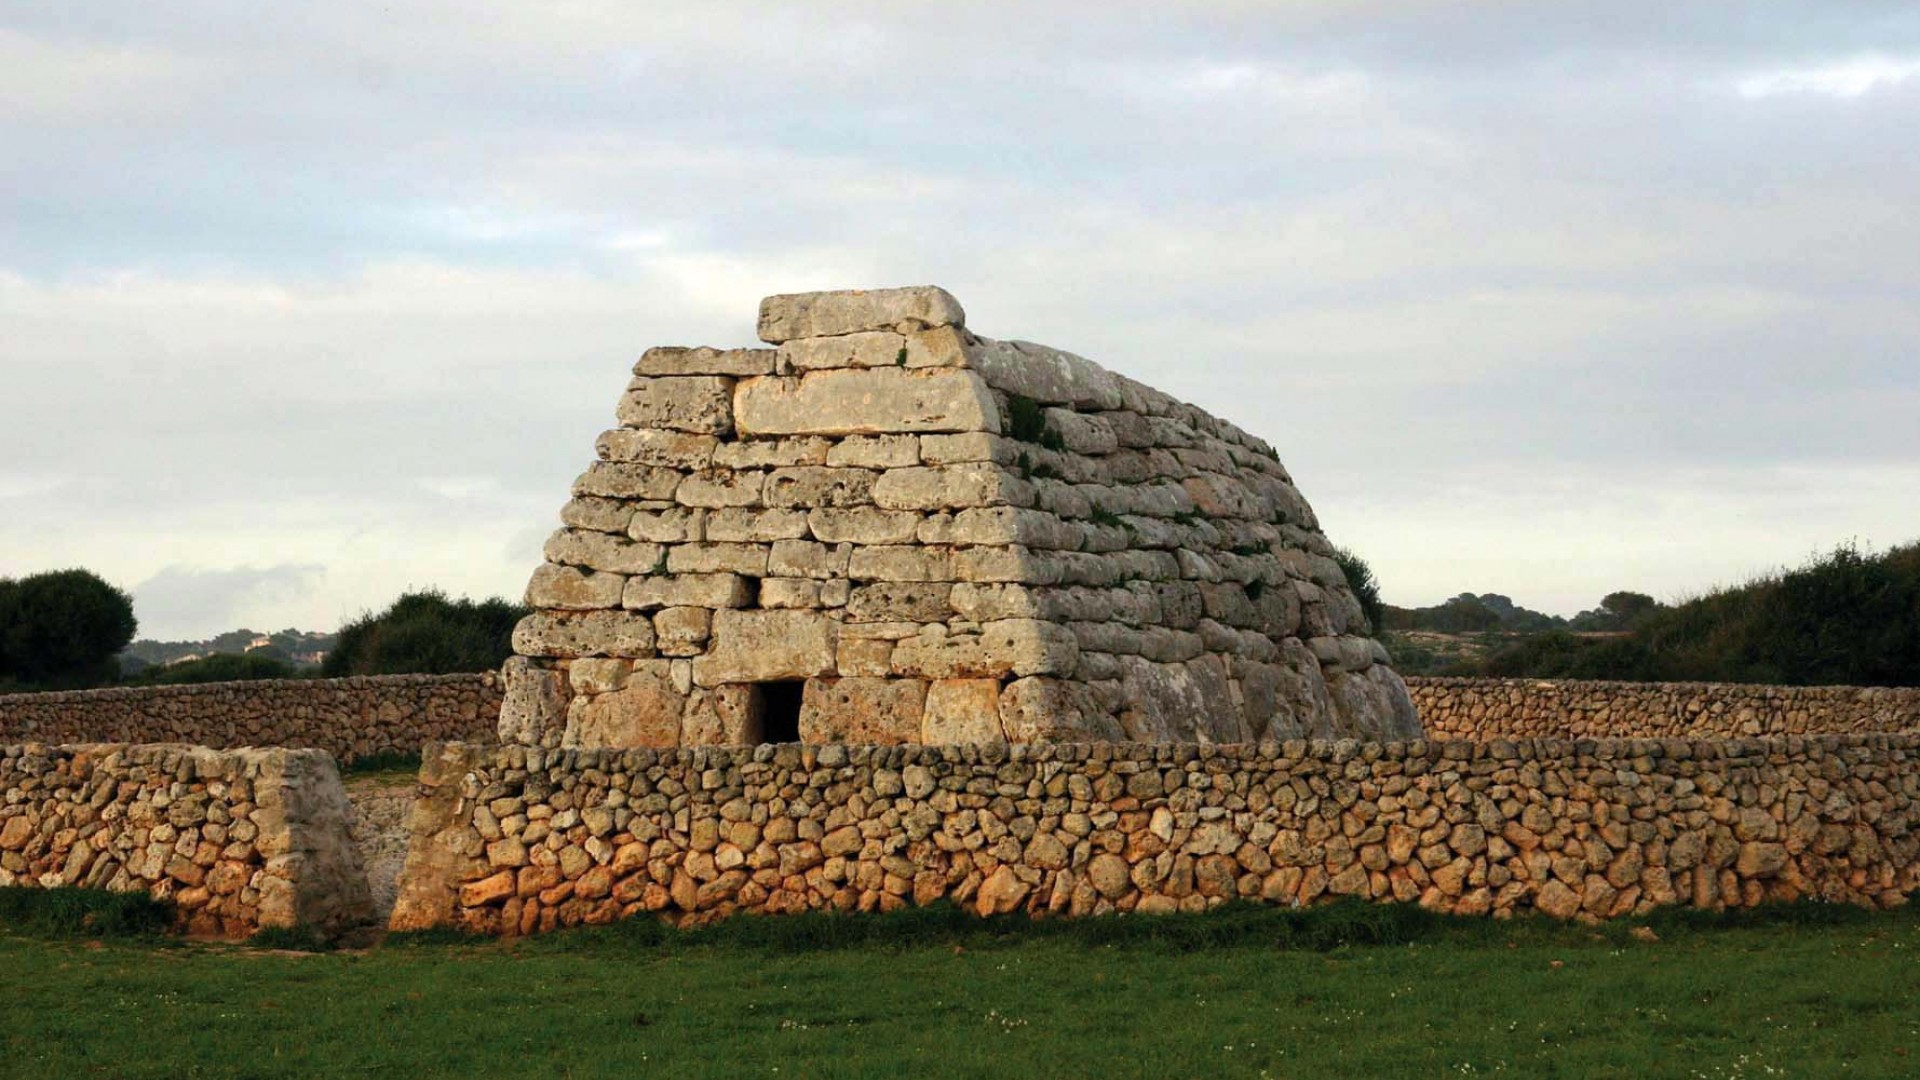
1463 708
349 718
237 840
924 536
512 840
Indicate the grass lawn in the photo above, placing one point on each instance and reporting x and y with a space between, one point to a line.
1797 992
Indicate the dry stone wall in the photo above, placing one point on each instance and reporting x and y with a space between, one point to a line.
512 840
349 718
237 840
886 529
1465 708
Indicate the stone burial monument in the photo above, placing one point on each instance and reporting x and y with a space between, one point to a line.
887 529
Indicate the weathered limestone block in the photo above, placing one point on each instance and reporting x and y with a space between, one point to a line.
697 403
900 562
672 525
766 646
813 486
1036 710
701 360
1049 376
950 487
653 446
809 315
875 452
773 453
601 515
627 480
720 488
863 525
682 631
739 524
944 346
644 712
866 402
962 711
586 633
900 600
805 558
877 711
723 716
969 447
718 558
567 588
1163 702
686 590
600 551
1009 646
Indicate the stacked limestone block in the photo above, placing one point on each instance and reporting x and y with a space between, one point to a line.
933 538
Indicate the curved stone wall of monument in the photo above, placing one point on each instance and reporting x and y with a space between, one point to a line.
886 529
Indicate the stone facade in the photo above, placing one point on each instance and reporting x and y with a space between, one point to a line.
886 529
1458 708
236 840
511 840
349 718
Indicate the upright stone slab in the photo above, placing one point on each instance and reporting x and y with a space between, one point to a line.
888 529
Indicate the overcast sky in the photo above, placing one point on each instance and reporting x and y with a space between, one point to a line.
301 305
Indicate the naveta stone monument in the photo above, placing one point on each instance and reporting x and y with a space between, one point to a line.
886 529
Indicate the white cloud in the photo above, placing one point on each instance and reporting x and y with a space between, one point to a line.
1845 79
295 291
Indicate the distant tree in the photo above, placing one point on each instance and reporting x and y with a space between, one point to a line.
1618 611
61 629
220 667
1366 588
1462 614
424 632
1844 618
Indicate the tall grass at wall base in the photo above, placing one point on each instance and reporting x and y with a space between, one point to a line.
1341 924
92 913
383 763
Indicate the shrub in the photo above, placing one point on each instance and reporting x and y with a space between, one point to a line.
220 667
424 632
1366 588
60 630
1844 618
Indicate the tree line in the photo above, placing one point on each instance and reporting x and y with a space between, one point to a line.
1844 618
64 629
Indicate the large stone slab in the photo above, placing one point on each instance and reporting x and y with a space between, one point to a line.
866 401
644 712
827 314
766 646
867 711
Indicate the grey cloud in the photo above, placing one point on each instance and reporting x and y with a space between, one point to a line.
184 600
297 270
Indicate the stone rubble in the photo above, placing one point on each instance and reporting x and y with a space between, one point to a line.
237 840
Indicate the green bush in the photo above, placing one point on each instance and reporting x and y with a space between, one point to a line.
220 667
60 630
1366 588
1844 618
424 632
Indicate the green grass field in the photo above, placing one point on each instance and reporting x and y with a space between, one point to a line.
1800 992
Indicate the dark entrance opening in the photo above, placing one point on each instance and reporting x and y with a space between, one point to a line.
780 712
